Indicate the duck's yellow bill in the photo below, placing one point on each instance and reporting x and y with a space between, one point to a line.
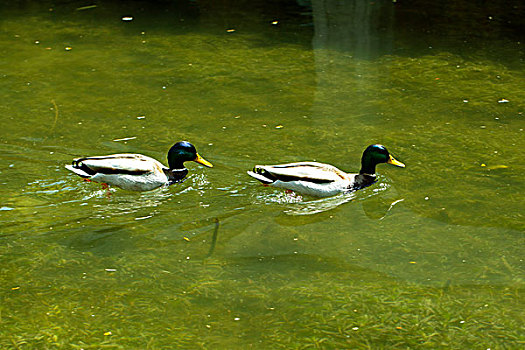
393 161
202 161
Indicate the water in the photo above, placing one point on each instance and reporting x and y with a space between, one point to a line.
430 256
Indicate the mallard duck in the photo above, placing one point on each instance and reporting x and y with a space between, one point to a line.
324 180
137 172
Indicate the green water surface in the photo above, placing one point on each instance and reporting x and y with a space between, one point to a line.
431 256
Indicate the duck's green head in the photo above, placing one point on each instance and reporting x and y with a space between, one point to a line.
376 154
184 152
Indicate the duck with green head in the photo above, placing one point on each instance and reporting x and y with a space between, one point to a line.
137 172
324 180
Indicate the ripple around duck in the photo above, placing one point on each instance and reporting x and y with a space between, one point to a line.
324 204
296 204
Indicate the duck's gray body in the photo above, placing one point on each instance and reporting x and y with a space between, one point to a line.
134 172
310 178
324 180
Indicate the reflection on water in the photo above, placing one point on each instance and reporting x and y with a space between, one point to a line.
324 204
363 29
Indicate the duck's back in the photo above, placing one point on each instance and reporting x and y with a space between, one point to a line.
124 163
309 171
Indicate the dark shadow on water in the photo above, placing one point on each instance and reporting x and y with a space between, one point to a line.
364 29
102 241
300 264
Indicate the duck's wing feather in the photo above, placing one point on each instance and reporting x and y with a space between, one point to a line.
129 164
302 171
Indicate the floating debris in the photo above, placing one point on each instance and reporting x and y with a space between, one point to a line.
125 139
497 166
503 101
86 7
127 18
214 237
230 30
